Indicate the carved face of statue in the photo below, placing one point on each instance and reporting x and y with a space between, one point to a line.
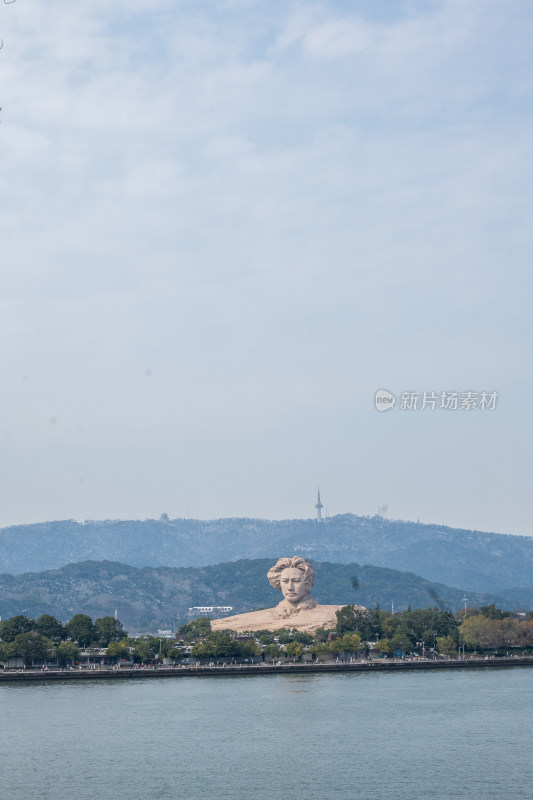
293 584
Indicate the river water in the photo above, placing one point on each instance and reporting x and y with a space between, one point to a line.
402 735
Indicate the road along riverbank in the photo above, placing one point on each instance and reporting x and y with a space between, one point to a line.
244 670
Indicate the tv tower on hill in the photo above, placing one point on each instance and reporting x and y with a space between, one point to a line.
319 508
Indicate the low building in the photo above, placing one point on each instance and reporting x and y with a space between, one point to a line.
208 611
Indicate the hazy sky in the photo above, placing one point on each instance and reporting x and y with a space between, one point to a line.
226 223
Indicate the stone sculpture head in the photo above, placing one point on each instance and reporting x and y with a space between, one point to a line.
293 577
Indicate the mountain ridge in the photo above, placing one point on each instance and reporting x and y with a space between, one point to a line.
151 597
486 562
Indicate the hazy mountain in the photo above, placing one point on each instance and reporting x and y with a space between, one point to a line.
158 597
484 562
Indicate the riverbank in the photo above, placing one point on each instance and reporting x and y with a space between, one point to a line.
244 670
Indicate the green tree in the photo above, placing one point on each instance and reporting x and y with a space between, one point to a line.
488 632
222 644
346 619
475 632
50 627
350 642
285 636
319 648
273 651
425 624
176 653
250 649
294 650
148 648
197 627
366 623
118 650
143 651
266 638
491 612
401 641
10 628
303 637
81 629
446 646
68 653
391 622
384 646
109 629
31 646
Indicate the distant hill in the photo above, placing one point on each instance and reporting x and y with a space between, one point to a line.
484 562
149 597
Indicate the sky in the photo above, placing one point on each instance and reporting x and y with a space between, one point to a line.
225 224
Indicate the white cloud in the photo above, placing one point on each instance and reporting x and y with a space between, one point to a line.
341 38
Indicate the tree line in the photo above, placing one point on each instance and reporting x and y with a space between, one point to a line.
47 637
486 628
356 631
413 630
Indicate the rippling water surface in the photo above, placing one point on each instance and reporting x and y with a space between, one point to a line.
403 736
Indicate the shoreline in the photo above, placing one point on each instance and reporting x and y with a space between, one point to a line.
242 670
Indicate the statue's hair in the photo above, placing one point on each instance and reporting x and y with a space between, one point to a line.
274 574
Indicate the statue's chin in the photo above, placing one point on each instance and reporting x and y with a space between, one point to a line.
287 609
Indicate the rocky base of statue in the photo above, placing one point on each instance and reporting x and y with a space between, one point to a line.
307 620
294 577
